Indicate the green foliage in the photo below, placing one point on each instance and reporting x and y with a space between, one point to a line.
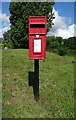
7 36
54 45
20 11
70 43
64 46
59 40
10 45
4 45
48 43
53 38
0 45
1 40
62 51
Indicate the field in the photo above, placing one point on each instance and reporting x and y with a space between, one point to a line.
0 82
56 83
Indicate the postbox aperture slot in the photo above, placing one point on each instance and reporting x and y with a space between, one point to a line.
37 25
37 45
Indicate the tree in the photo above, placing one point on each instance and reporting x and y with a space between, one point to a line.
70 42
59 39
20 11
1 40
52 43
6 36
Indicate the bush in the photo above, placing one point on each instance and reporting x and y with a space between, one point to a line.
0 45
54 45
10 45
4 45
51 45
48 42
70 43
62 51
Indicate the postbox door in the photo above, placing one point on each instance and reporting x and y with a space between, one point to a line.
37 45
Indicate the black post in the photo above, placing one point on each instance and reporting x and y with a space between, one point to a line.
36 80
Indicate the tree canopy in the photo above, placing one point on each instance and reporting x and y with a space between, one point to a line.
20 11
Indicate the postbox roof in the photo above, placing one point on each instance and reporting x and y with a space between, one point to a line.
37 19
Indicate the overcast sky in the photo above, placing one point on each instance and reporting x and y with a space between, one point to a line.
63 22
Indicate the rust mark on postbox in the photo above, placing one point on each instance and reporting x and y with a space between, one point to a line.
37 37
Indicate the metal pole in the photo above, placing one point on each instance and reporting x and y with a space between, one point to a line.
36 82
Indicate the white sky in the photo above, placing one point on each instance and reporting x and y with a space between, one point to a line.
59 28
4 23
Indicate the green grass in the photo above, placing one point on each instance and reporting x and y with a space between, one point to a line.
56 86
0 83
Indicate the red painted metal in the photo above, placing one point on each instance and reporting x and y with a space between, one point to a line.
37 34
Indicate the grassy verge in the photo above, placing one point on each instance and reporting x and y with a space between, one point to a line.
56 86
0 82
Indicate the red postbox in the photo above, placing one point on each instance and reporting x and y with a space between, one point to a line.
37 37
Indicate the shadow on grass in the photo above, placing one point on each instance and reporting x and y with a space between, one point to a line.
31 78
32 81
